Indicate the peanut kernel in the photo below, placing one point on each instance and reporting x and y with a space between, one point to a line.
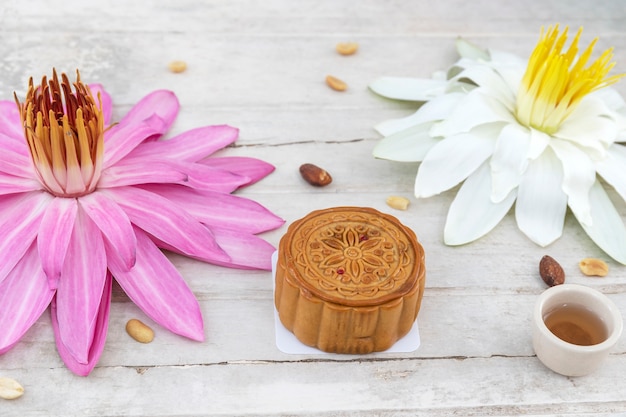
347 48
335 83
139 331
177 66
10 389
398 203
593 267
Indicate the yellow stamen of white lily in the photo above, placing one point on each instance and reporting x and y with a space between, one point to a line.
65 134
555 82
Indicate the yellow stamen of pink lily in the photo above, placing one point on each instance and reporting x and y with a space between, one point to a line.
556 81
65 135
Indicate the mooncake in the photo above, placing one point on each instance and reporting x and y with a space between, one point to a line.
349 280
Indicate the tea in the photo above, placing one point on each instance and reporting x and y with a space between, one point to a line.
576 324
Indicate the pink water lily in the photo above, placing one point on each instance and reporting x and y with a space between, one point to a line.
84 202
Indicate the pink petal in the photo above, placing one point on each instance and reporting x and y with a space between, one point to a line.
123 138
107 103
99 334
192 145
10 122
114 225
138 171
80 288
10 184
24 296
209 178
246 251
21 216
141 170
14 162
7 202
54 236
18 147
166 221
161 103
255 169
220 209
160 291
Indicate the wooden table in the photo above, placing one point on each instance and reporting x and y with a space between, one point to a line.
260 66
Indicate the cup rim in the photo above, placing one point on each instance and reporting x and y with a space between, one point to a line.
614 332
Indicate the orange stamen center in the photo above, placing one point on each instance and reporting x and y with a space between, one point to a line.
64 130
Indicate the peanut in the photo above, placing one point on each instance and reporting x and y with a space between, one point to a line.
139 331
10 389
335 83
347 48
315 175
551 272
177 66
398 203
593 267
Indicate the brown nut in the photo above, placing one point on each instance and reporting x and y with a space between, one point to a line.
335 83
10 389
139 331
551 272
315 175
347 48
593 267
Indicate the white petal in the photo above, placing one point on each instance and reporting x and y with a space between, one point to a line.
450 161
405 88
477 108
469 50
509 160
541 203
472 214
579 176
436 109
462 87
491 83
591 105
610 97
607 230
613 167
510 67
463 64
538 143
589 127
408 145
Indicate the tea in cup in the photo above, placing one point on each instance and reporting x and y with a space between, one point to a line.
574 328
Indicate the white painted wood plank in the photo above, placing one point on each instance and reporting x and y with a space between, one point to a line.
230 73
404 386
310 17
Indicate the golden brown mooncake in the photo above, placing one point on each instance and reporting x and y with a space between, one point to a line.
349 280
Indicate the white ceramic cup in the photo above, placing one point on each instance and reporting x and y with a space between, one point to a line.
567 358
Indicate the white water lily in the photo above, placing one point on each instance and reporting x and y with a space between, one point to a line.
537 133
